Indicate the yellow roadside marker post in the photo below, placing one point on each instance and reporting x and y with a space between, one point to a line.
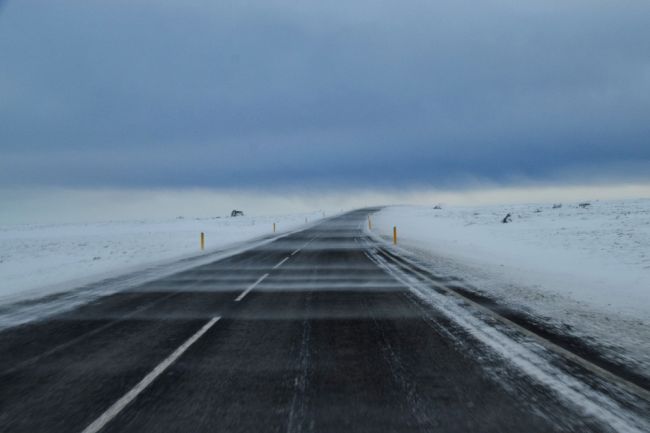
394 235
202 241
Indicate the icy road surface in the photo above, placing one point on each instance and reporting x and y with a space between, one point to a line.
322 330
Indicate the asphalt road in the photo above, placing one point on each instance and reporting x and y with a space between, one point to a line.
306 333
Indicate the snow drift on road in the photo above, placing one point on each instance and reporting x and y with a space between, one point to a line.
585 270
36 260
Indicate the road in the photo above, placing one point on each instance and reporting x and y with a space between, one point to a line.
310 332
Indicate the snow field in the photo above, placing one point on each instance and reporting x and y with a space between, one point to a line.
583 270
36 260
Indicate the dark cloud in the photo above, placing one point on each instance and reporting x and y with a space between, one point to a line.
257 93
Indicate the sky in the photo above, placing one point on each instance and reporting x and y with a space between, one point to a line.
263 98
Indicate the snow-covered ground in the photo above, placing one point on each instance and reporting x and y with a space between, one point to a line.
37 260
585 271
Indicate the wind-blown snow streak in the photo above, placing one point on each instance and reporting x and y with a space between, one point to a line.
526 359
38 260
26 310
583 271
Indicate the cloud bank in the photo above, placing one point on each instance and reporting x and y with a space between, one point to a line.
333 95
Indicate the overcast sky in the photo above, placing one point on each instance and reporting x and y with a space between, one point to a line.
132 94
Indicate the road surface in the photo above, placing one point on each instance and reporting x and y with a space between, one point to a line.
311 332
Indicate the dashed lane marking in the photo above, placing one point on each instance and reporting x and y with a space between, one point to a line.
251 287
281 263
301 248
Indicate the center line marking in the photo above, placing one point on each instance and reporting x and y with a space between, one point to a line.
251 287
299 249
281 262
119 405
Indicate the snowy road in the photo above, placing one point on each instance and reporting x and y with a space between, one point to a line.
322 330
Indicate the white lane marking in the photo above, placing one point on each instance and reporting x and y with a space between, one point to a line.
119 405
281 263
251 287
300 249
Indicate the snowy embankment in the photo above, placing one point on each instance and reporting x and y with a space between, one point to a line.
37 260
583 270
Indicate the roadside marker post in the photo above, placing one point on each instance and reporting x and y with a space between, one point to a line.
394 235
273 227
369 223
202 241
